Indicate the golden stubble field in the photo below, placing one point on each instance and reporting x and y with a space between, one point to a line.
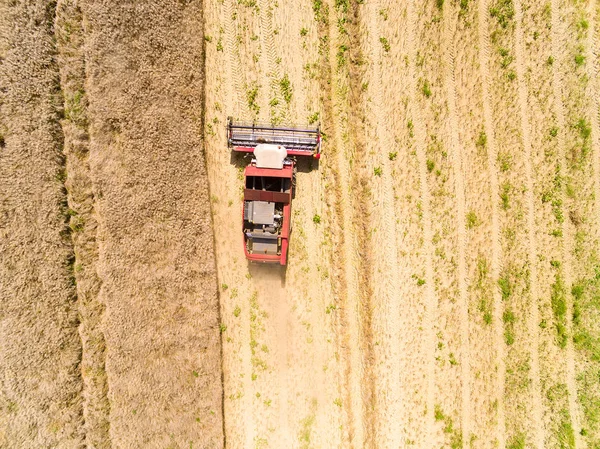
443 286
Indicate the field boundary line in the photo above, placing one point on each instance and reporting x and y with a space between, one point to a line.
533 318
484 56
459 191
567 243
430 296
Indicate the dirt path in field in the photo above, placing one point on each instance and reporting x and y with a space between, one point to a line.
533 317
498 309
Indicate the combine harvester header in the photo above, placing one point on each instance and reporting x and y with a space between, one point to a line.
269 182
297 141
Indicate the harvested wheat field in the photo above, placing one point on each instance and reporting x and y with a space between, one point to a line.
443 278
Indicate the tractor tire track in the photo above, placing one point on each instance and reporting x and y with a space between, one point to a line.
533 318
484 64
268 42
431 300
235 66
388 430
557 89
459 189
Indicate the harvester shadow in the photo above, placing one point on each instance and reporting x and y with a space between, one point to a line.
306 164
267 272
240 160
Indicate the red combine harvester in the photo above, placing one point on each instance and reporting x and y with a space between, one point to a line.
269 182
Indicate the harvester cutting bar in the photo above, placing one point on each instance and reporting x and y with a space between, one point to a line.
297 141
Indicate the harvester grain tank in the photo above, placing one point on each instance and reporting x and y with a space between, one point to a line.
269 181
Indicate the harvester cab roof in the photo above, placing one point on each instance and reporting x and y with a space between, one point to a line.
269 180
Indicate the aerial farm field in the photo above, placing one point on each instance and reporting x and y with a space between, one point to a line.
443 282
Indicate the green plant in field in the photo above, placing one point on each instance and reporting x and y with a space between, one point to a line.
338 402
584 128
251 96
341 55
452 359
504 195
222 327
237 311
481 141
383 13
507 59
385 44
219 45
378 171
554 131
558 299
508 318
517 441
438 414
313 118
316 219
430 165
224 287
439 4
505 285
426 89
472 220
504 161
286 88
503 11
484 307
392 155
303 31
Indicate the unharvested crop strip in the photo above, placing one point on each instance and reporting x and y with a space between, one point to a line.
484 64
430 296
533 318
459 190
40 349
557 87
